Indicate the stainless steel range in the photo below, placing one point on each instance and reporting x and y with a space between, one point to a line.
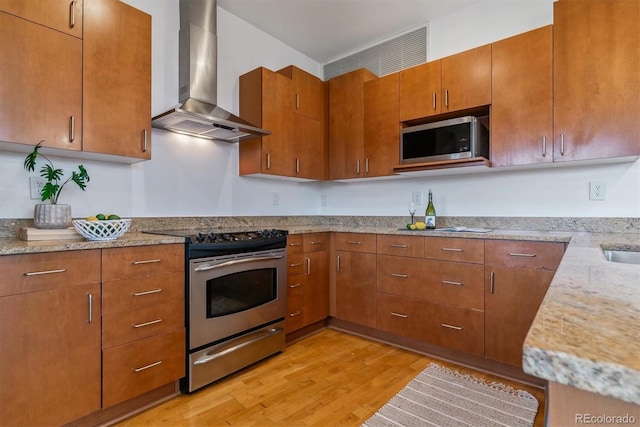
235 301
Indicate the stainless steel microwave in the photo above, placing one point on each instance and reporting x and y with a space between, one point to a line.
459 138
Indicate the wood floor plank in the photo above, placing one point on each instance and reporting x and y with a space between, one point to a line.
331 378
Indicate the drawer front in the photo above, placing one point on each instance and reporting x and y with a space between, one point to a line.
140 261
442 282
409 246
132 369
294 265
125 295
450 327
314 242
295 285
46 271
356 242
294 244
121 328
454 249
294 320
524 254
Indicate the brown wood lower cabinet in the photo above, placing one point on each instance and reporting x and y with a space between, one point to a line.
356 288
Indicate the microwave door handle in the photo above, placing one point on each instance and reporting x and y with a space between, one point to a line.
207 267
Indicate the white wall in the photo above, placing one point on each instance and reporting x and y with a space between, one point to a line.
192 177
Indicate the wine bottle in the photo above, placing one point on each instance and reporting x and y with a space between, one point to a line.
430 213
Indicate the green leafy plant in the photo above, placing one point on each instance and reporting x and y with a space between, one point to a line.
51 190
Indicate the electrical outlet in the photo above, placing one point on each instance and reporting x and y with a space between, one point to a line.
597 191
275 199
36 184
324 200
416 197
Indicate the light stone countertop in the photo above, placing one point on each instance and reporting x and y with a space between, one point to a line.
586 333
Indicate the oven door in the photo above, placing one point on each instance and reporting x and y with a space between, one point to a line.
232 294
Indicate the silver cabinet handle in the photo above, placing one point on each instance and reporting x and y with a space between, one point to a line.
268 160
72 129
402 276
316 242
399 246
147 366
297 101
491 282
308 266
338 263
297 165
452 249
295 264
404 316
207 267
450 282
522 255
146 261
144 140
353 242
562 144
544 146
297 285
90 298
39 273
358 166
366 165
295 244
434 101
294 314
141 325
152 291
446 98
446 325
72 14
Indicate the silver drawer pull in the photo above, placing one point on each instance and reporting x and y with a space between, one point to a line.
452 249
404 316
296 264
351 242
404 276
522 255
450 282
457 328
148 366
146 261
294 314
153 322
297 285
152 291
295 244
399 246
319 242
39 273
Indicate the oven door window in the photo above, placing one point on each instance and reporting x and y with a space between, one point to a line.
237 292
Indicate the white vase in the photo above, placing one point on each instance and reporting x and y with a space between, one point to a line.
52 216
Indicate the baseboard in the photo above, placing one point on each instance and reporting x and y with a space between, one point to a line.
306 331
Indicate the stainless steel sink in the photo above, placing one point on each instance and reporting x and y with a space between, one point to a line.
626 257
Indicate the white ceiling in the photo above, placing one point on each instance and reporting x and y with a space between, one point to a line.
325 30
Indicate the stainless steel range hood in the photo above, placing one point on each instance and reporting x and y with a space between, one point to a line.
197 113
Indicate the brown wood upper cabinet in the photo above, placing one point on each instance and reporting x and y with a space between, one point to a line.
453 83
522 99
346 124
596 79
308 92
60 15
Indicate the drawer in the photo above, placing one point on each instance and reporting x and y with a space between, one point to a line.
295 285
140 261
356 242
294 319
454 249
125 295
294 265
132 369
524 254
21 274
449 327
442 282
314 242
409 246
294 244
121 328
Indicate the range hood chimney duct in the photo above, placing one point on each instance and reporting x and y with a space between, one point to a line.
197 113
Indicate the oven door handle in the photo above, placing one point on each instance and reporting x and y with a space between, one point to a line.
207 267
262 335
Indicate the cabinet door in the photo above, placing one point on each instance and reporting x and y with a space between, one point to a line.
61 15
117 79
309 148
308 92
42 92
356 288
420 91
346 124
596 79
315 287
50 359
466 79
381 126
522 99
512 299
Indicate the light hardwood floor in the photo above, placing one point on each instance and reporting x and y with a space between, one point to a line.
331 378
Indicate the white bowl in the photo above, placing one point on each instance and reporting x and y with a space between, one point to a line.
102 230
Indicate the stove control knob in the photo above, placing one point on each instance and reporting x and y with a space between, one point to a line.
200 238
